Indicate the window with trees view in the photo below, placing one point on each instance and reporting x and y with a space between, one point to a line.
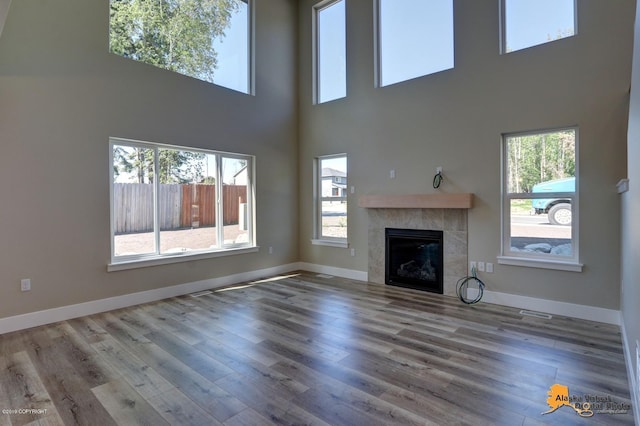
331 200
540 201
205 39
413 38
527 23
168 200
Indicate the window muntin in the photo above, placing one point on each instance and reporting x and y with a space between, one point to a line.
540 198
527 23
330 51
190 37
164 201
331 198
414 38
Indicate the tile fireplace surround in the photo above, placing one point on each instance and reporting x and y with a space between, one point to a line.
397 212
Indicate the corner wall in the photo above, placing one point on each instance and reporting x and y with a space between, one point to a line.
62 95
455 119
630 294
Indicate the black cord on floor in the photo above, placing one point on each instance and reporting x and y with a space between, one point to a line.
463 285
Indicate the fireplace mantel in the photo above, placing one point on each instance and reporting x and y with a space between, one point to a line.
417 201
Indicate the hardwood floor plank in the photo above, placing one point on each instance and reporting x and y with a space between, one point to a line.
306 348
23 389
268 404
66 387
126 406
203 392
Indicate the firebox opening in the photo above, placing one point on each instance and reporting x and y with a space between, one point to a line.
414 259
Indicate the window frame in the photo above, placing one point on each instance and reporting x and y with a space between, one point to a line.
503 28
317 9
318 198
534 259
377 51
131 261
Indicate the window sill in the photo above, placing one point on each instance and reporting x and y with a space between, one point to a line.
330 243
176 258
558 265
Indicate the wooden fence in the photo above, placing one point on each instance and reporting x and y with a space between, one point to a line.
181 206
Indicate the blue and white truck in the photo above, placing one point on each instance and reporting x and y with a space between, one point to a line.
558 209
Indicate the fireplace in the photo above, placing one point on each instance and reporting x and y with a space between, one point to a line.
414 259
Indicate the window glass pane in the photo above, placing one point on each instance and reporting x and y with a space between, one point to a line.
331 51
233 51
544 162
192 37
235 207
537 234
133 188
186 201
531 22
415 38
333 202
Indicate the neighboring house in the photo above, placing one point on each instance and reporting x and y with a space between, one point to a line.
334 183
241 177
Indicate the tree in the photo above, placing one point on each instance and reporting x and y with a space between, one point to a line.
176 35
537 158
177 167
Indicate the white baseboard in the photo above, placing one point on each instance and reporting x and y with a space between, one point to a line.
633 384
331 270
48 316
592 313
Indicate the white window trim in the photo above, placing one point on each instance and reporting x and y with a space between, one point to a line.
503 28
318 239
315 49
539 260
152 259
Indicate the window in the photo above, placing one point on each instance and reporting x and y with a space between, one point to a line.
331 200
190 37
168 201
330 51
414 38
527 23
540 199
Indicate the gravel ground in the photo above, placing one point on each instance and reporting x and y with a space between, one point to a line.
194 239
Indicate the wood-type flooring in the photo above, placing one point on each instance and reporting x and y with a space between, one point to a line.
303 349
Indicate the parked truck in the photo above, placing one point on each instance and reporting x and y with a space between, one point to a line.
558 209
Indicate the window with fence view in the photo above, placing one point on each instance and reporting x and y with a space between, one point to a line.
171 200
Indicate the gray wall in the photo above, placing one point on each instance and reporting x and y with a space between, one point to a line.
630 222
62 95
455 119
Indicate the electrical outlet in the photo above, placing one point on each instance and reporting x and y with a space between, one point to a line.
353 252
392 174
25 284
439 169
481 266
353 189
270 250
489 267
472 266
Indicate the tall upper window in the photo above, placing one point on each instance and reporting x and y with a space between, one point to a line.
527 23
414 38
331 200
168 200
205 39
330 51
540 200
